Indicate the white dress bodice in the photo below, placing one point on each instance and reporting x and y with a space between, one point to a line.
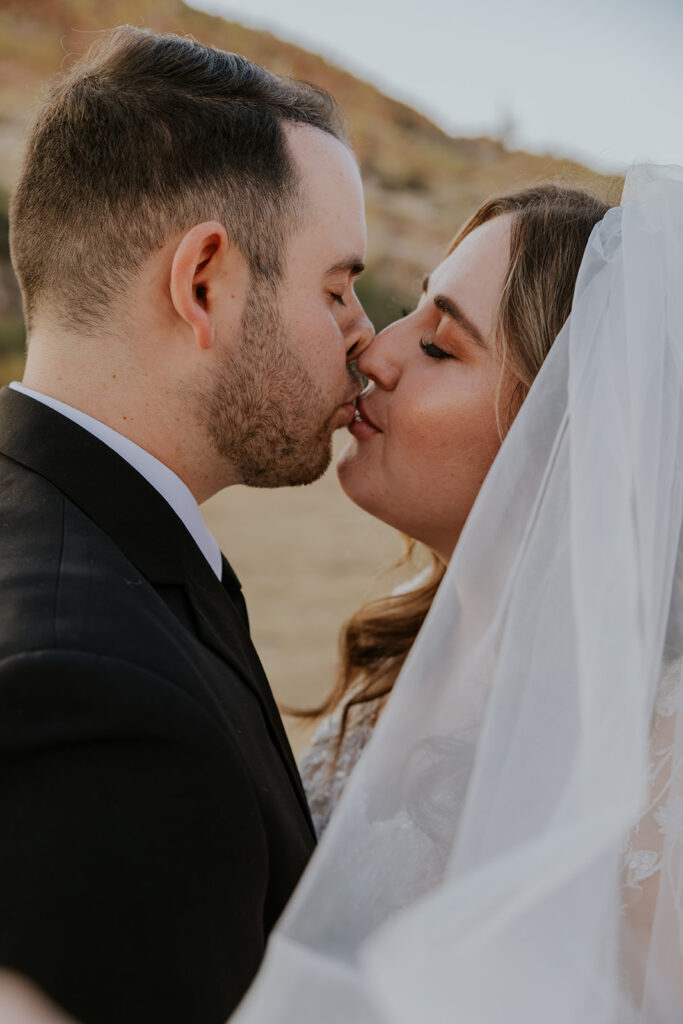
325 766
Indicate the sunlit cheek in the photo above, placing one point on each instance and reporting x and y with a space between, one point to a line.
441 434
447 452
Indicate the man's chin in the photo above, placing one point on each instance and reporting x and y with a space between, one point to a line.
292 473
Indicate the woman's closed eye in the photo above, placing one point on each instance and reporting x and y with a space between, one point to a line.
433 351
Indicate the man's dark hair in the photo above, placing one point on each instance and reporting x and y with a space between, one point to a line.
146 136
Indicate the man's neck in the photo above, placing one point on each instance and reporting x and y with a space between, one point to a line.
150 415
158 474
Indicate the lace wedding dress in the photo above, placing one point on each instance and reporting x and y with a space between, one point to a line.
327 763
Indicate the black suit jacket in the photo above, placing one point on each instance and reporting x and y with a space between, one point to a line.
153 822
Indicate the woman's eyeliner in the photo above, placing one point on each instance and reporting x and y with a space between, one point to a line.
428 347
433 351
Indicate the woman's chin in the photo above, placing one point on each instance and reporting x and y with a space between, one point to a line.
356 478
346 465
350 460
349 450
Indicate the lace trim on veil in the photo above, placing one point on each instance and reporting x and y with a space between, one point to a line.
662 819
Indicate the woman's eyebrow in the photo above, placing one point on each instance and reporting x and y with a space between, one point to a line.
454 311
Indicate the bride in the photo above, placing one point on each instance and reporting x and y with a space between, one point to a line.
447 382
509 846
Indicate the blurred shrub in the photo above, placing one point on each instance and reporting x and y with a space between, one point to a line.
382 303
12 334
11 367
4 224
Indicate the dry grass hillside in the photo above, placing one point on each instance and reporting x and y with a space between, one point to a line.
420 182
307 556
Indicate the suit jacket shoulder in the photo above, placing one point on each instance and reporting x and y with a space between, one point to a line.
154 825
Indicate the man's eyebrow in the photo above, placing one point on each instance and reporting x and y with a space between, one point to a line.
453 310
353 265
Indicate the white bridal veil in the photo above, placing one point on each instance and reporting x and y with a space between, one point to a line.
508 850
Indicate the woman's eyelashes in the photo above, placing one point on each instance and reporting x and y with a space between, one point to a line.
338 298
429 347
433 351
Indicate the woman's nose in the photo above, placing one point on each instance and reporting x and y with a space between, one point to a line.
380 359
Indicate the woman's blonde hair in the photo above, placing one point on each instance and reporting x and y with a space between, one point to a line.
551 224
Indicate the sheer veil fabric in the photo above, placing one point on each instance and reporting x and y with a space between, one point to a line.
509 847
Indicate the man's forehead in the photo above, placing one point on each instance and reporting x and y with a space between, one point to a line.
333 211
321 159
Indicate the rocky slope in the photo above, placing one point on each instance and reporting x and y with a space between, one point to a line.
420 182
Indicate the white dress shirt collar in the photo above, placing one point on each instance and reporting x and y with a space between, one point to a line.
163 479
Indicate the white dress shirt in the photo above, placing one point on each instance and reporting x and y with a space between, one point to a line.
164 480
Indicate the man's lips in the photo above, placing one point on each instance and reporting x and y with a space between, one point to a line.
349 411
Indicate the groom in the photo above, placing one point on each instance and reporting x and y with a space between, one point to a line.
186 231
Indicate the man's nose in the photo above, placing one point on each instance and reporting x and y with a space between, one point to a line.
358 336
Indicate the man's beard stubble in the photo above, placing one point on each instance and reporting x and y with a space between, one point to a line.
264 412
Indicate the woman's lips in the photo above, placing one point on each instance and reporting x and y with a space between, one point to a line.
362 426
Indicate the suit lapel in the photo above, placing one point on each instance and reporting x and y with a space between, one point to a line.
145 528
218 608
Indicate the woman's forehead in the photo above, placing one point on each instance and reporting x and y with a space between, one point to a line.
486 246
473 274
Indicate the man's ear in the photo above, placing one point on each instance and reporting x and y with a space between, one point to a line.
197 266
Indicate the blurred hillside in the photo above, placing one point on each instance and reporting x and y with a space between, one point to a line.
420 183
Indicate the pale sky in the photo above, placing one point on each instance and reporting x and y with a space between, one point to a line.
600 80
